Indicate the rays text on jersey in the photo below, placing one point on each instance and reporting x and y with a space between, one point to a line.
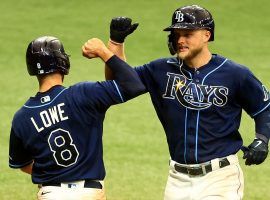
49 117
192 95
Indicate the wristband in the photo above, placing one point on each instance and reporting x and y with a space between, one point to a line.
116 43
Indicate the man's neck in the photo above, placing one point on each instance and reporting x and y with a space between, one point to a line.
199 60
48 81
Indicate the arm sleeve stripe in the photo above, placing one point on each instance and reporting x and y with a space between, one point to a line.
253 115
21 165
118 91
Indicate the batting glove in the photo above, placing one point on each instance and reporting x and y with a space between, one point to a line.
256 152
120 28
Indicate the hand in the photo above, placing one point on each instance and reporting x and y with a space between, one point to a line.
96 48
92 48
256 152
120 28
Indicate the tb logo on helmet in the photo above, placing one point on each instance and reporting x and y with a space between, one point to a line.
179 16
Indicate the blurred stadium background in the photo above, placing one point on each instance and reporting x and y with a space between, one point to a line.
135 149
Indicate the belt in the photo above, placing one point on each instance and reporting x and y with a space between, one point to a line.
200 170
87 184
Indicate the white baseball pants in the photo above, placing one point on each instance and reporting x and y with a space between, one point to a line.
225 183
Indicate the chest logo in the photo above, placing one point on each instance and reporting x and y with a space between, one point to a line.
192 95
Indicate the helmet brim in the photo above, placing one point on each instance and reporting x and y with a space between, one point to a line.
183 26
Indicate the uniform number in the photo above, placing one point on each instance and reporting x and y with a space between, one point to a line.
64 151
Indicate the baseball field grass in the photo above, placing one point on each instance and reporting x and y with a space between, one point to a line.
135 149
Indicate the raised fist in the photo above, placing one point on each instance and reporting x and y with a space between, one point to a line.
120 28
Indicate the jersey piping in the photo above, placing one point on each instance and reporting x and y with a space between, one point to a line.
46 103
198 114
115 84
253 115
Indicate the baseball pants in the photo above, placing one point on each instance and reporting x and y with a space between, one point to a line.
71 191
221 183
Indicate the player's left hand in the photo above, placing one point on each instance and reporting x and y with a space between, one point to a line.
256 152
120 28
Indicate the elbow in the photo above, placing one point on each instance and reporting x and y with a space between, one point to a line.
135 90
141 89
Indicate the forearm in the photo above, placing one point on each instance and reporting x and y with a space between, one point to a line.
262 124
118 50
126 77
120 28
28 168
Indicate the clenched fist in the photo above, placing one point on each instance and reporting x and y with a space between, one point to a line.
96 48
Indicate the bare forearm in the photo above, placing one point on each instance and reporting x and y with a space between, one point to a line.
120 28
119 50
28 168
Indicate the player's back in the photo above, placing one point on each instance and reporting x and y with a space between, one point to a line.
62 130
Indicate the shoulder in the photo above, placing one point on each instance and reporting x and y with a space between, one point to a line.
82 86
160 63
91 89
19 114
19 117
166 61
234 67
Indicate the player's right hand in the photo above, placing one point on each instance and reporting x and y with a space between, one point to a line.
92 48
256 152
96 48
120 28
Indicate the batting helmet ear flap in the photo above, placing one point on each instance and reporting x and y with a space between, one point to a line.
171 43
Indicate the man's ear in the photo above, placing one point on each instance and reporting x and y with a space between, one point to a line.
207 35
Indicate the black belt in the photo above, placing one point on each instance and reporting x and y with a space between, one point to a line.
87 184
200 170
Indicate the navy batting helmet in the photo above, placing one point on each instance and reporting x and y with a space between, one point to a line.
190 17
46 55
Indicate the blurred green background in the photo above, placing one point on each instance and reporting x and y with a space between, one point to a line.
135 149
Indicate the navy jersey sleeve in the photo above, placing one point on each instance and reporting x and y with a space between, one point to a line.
154 73
18 155
126 77
253 95
145 75
97 96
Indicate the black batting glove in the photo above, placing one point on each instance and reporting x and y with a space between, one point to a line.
256 152
120 28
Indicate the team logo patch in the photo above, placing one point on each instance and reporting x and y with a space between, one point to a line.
45 99
266 93
194 96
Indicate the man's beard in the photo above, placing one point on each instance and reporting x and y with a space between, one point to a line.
190 55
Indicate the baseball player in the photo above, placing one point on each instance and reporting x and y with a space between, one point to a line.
198 97
57 134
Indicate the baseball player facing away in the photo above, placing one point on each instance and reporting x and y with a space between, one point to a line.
198 97
57 135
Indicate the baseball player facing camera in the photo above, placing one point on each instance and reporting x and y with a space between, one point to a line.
57 135
198 97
